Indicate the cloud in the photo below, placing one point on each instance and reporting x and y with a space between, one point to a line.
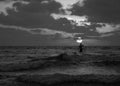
47 15
40 6
106 28
6 5
34 14
62 34
38 14
42 31
68 4
75 20
100 11
102 35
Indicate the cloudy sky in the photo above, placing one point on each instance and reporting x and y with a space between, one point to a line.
59 22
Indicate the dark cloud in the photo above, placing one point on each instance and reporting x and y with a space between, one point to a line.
62 24
35 14
38 15
36 6
105 11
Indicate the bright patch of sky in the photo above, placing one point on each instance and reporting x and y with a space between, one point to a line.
67 4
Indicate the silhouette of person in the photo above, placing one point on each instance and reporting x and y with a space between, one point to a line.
81 46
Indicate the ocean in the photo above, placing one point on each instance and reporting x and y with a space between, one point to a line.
59 65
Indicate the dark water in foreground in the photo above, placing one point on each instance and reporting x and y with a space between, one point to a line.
60 66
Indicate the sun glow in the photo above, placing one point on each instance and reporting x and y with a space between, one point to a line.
79 40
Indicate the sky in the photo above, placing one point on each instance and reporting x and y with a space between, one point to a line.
59 22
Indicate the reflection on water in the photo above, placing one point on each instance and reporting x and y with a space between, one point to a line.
81 70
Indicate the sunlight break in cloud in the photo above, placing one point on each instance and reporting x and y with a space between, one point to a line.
67 4
75 20
107 28
8 4
42 31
